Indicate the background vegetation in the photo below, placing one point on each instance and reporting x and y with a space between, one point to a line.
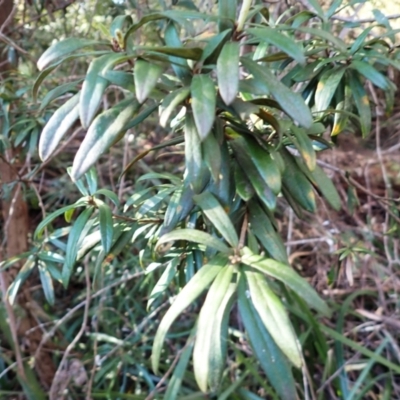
93 263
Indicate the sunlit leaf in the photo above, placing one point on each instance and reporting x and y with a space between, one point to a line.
327 86
103 132
57 126
47 283
288 276
188 294
218 217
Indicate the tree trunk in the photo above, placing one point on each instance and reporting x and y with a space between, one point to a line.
14 241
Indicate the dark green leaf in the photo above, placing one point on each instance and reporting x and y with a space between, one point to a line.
292 103
203 103
281 41
326 88
196 236
74 237
228 71
227 14
57 92
106 225
371 74
305 146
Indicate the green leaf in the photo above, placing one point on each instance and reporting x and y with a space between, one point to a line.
317 8
119 23
72 244
188 295
214 46
109 194
325 185
103 132
57 126
288 276
296 183
305 146
266 166
170 103
245 161
57 92
106 225
94 86
226 14
243 186
361 100
63 48
292 103
146 75
171 38
217 216
262 227
274 317
22 276
193 155
212 156
47 283
162 284
281 41
272 361
329 37
175 382
51 217
203 103
190 53
210 348
228 71
326 88
119 78
371 74
196 236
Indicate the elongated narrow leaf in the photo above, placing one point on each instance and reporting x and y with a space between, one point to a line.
243 186
305 146
190 53
208 356
226 14
203 103
57 92
217 216
170 103
180 67
106 226
296 183
189 293
326 88
292 103
146 75
361 101
262 227
103 132
57 126
272 361
274 317
245 161
212 156
21 277
175 382
266 166
281 41
63 48
51 217
228 71
287 275
94 86
193 155
47 282
72 244
119 78
196 236
371 74
214 46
